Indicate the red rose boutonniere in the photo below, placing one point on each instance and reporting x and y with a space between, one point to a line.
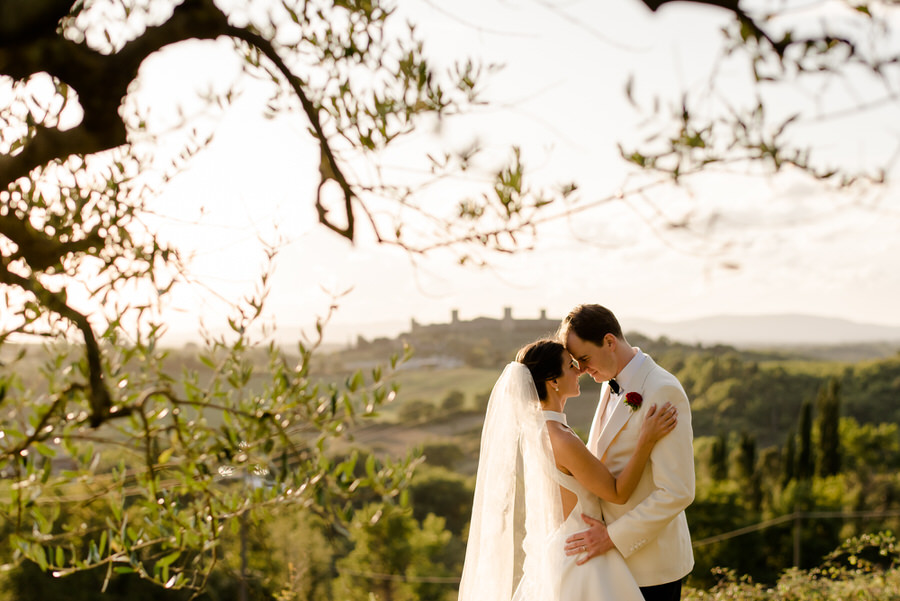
634 400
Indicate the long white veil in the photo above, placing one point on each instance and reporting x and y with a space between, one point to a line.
517 504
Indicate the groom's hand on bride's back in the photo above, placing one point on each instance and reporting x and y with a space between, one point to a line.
589 543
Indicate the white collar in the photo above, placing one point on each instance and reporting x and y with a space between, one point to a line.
626 376
555 416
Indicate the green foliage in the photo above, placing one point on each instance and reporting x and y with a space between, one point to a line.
866 554
764 402
453 401
442 454
864 568
797 585
803 511
31 583
440 492
869 447
869 391
154 490
717 508
416 410
481 401
291 556
394 558
437 561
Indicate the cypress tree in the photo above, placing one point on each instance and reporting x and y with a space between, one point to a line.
718 458
829 408
789 464
805 456
746 458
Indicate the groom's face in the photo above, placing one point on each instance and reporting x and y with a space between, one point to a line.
598 361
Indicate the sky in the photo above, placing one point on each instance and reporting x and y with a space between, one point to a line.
757 244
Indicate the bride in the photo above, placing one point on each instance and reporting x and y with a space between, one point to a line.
535 479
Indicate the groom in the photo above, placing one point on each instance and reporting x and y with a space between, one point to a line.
650 529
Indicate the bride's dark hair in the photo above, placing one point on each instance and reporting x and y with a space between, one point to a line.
544 359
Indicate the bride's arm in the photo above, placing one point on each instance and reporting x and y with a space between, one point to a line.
574 457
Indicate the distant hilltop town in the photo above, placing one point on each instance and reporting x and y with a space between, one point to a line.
481 324
492 342
480 342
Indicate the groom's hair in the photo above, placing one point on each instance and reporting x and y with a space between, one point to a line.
544 359
590 323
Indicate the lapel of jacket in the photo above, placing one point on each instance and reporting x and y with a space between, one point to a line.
596 426
617 420
622 412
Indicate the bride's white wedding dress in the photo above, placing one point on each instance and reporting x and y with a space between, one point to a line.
603 578
516 545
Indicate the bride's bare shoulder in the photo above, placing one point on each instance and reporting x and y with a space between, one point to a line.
562 435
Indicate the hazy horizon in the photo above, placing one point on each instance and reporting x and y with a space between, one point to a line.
783 329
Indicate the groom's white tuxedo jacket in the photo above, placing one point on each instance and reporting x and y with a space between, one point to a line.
650 529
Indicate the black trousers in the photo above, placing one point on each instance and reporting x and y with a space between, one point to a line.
671 591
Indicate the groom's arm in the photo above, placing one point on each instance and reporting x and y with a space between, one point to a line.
672 469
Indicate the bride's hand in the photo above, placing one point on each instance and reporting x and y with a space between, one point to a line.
659 422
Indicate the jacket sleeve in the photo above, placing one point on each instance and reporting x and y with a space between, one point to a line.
671 468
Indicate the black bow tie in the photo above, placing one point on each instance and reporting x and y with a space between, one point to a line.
614 386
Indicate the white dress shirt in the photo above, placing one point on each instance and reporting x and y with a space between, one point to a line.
623 378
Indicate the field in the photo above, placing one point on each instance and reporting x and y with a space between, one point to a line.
433 385
392 435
